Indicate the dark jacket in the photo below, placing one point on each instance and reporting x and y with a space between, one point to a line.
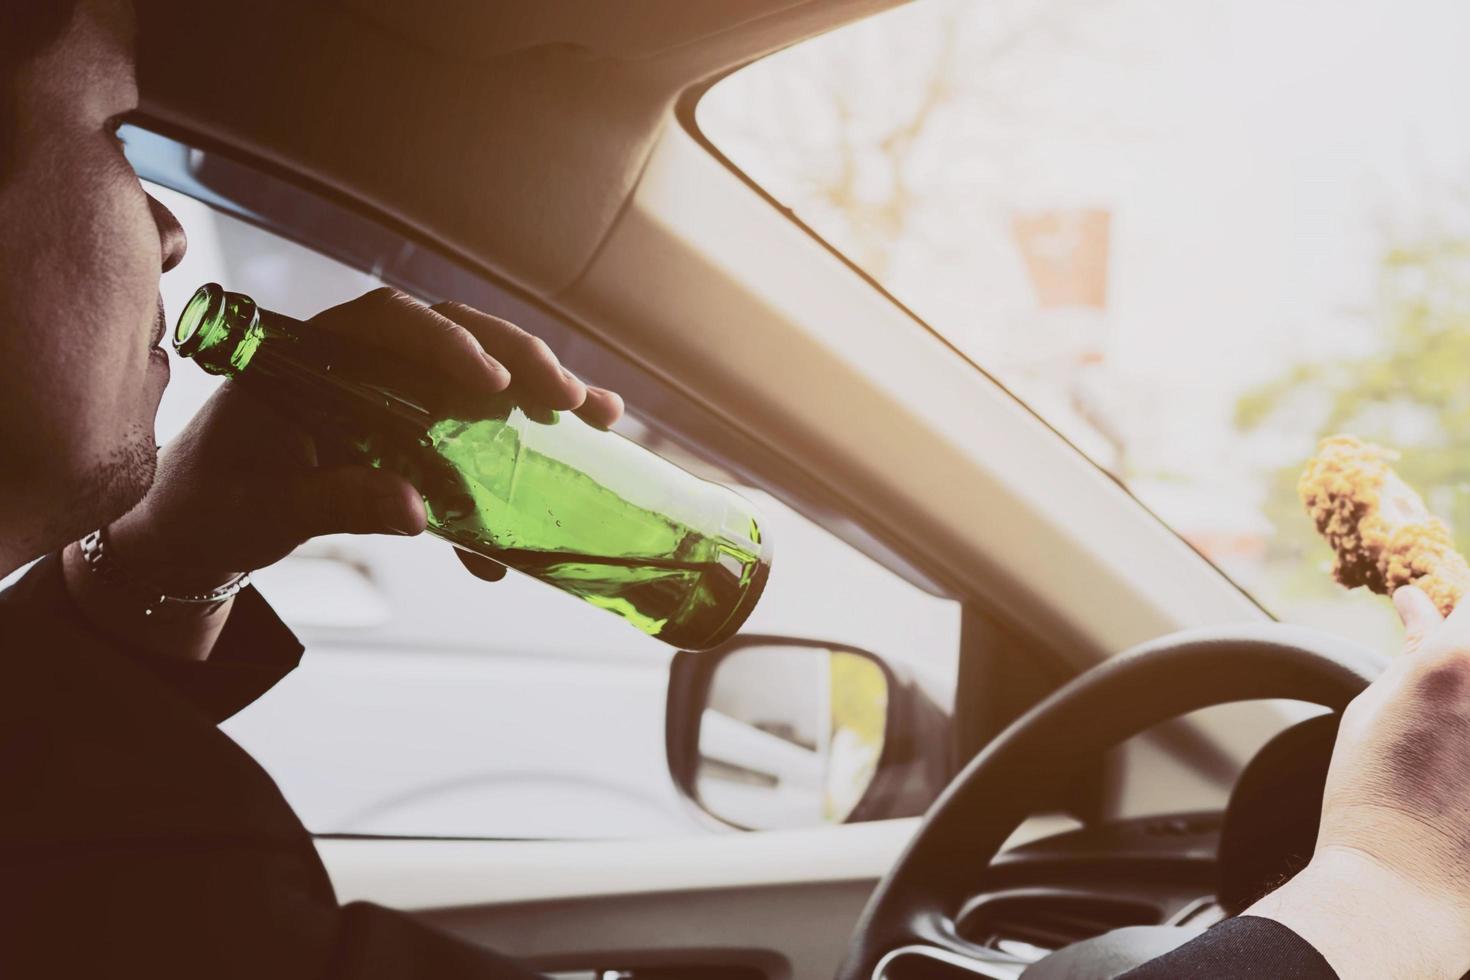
138 840
1243 948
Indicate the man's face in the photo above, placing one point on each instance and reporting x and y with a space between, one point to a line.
81 250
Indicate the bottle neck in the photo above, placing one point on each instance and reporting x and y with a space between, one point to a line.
218 330
305 370
227 334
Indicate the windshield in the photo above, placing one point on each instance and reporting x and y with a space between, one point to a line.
1193 236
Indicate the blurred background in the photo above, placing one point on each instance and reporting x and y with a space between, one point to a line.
1194 237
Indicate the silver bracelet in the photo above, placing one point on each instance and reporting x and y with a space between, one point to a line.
100 562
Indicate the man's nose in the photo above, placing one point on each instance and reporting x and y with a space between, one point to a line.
170 234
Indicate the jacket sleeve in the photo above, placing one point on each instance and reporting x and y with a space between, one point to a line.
254 651
1244 948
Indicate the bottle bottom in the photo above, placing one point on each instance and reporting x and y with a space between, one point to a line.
687 604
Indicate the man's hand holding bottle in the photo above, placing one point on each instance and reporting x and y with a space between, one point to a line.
243 486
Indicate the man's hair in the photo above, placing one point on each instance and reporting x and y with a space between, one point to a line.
31 26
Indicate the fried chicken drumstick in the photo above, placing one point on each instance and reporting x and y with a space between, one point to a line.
1383 535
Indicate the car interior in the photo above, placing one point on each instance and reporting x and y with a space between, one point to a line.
1127 747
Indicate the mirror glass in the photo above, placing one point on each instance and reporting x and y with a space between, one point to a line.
790 735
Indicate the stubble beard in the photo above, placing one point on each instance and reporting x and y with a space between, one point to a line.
114 487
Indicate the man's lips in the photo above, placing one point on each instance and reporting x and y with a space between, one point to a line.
160 325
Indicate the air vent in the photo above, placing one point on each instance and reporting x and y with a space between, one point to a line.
1033 922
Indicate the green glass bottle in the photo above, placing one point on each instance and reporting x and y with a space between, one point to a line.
585 510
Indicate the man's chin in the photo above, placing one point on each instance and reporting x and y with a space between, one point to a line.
109 490
126 477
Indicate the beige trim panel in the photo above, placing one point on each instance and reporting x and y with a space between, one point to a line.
426 874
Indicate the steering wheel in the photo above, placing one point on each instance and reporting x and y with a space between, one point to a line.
907 928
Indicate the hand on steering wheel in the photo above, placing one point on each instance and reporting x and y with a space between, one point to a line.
1387 891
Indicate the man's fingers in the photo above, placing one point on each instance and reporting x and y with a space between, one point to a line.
395 321
1419 615
475 348
480 567
352 500
534 368
478 349
602 408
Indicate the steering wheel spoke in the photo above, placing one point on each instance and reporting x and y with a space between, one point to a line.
924 962
928 947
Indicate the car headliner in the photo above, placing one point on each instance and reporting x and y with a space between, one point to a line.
510 133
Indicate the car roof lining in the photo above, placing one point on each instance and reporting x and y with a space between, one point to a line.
509 133
627 31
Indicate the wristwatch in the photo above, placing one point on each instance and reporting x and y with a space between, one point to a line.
101 562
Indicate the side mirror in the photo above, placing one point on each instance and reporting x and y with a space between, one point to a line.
769 732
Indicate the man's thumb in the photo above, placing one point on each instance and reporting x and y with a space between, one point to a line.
1419 614
354 500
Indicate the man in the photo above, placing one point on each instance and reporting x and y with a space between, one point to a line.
136 840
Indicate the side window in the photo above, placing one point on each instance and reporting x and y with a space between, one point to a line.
432 704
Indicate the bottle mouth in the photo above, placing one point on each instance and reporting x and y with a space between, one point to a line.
205 306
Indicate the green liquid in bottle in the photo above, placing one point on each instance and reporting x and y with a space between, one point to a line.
586 511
